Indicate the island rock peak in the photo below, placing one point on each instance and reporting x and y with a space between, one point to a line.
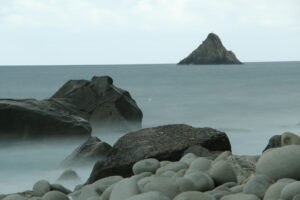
211 51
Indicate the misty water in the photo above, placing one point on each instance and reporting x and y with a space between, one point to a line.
249 102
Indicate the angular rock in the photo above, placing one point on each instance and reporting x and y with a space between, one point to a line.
69 112
32 119
104 105
92 150
151 143
274 142
283 162
211 51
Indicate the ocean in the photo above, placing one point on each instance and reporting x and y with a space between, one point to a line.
250 102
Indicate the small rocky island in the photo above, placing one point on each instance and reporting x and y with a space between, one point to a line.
211 51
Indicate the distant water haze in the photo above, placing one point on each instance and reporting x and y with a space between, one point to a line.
250 102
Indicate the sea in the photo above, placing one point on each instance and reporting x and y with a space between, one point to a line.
249 102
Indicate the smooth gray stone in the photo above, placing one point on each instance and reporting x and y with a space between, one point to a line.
185 184
95 198
14 197
60 188
173 166
149 196
200 164
146 165
290 190
193 195
124 189
166 185
289 138
273 192
218 194
55 195
237 188
104 183
257 185
201 180
40 188
222 172
85 192
283 162
188 158
240 196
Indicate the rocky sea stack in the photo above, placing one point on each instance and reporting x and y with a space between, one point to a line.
211 51
76 108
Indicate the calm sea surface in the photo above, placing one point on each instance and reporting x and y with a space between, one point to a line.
250 102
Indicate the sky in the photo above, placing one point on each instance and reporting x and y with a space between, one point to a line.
48 32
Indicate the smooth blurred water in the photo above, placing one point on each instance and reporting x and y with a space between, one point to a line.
250 102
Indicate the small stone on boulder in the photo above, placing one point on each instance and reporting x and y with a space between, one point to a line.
146 165
40 188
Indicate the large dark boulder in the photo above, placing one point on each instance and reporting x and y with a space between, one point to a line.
105 106
33 119
92 150
163 143
70 111
211 51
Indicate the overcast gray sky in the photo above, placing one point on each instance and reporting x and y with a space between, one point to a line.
144 31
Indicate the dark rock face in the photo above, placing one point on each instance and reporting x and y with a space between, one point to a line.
163 143
70 111
89 152
211 51
102 104
274 142
33 119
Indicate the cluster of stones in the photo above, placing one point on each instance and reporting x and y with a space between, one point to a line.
273 175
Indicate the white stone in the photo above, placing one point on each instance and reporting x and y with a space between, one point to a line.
273 192
146 165
200 164
188 158
166 185
280 163
289 138
290 190
222 172
173 166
